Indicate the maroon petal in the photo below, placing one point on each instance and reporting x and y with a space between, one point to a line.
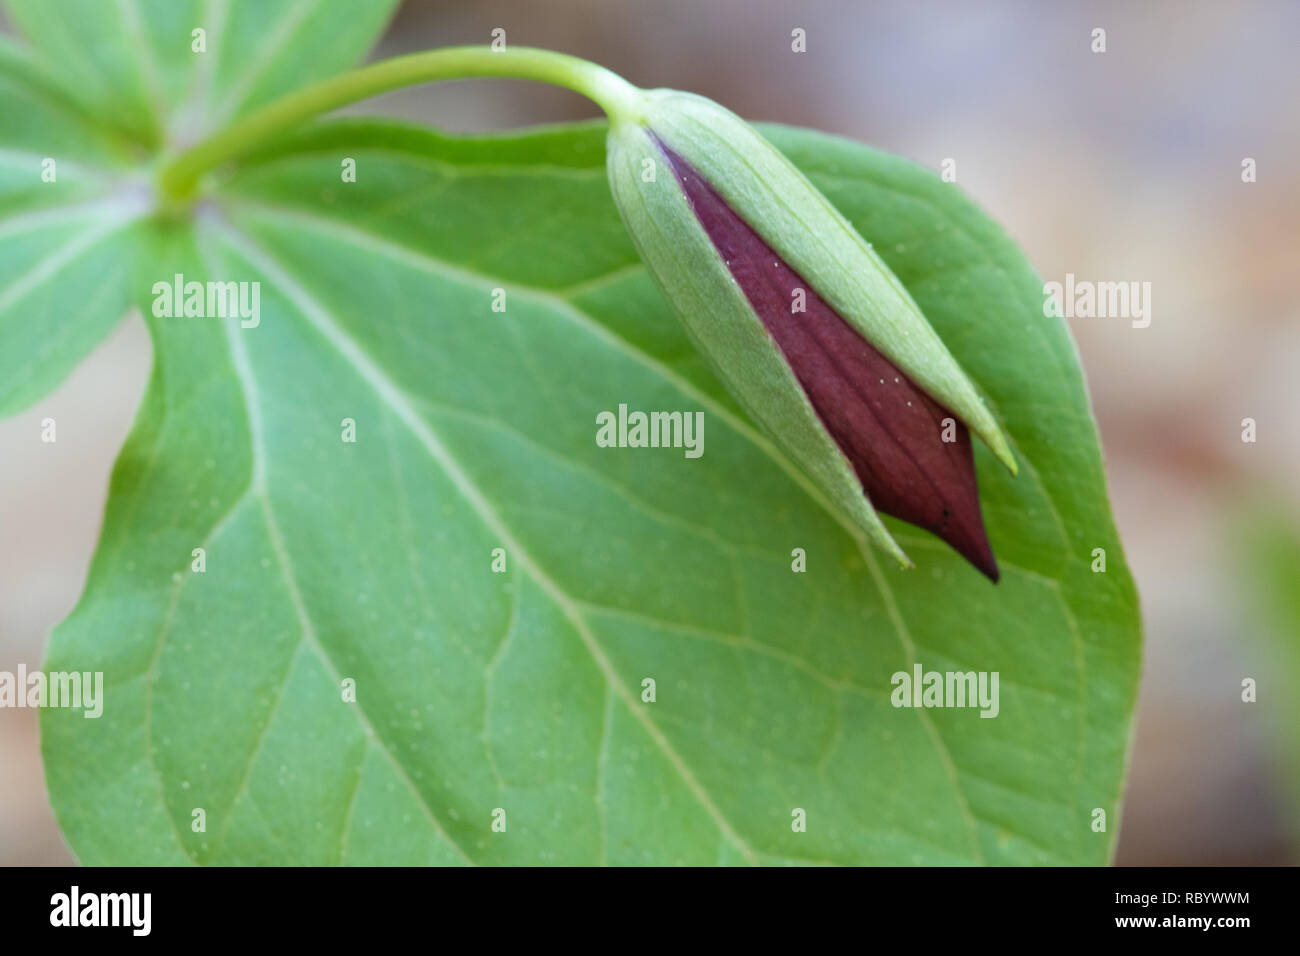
890 430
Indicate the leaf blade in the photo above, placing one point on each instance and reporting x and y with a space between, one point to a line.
69 217
776 685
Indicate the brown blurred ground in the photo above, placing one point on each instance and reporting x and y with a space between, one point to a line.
1118 166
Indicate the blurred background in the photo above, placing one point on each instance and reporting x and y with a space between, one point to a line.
1123 165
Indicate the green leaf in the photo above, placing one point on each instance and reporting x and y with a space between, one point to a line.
166 88
1264 540
67 245
522 691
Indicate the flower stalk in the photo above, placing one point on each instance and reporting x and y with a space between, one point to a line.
179 178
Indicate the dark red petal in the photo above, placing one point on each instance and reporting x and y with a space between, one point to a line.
890 430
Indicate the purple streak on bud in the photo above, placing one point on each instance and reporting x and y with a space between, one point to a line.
890 430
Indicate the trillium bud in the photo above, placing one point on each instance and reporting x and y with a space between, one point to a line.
856 386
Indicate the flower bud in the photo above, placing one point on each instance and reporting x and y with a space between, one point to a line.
805 325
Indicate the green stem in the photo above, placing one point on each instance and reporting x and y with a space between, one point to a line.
179 178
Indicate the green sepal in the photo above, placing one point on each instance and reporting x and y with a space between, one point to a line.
724 327
816 241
